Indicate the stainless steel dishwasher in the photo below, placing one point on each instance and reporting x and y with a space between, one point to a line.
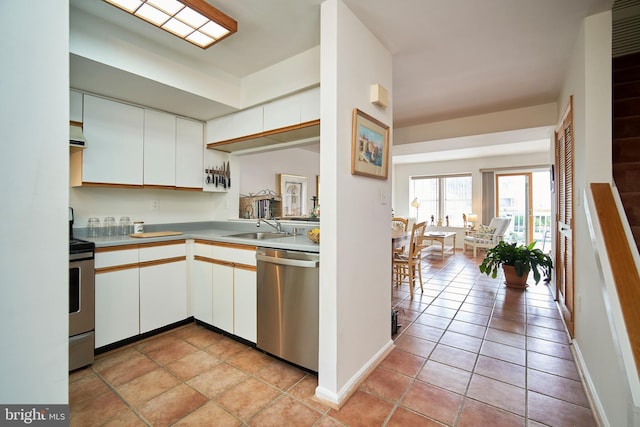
288 305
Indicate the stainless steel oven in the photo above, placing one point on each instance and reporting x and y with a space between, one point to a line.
81 301
81 307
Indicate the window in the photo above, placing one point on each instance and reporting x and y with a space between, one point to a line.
441 196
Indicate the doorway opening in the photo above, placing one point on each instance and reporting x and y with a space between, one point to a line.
525 197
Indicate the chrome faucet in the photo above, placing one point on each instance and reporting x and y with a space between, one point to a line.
277 225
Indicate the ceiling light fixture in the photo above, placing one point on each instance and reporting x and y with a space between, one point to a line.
195 21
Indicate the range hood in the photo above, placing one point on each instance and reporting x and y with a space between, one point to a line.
76 137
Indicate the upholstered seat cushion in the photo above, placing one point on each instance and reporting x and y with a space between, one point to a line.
487 236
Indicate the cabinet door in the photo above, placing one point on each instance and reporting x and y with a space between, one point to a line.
75 106
245 304
247 122
220 129
163 295
282 113
202 291
159 148
114 134
189 153
310 105
223 297
116 306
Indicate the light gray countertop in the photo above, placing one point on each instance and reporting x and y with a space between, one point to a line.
218 231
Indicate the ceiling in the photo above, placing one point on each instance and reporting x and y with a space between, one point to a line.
451 58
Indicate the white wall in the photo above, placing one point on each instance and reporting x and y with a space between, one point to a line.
589 81
509 120
355 270
34 168
174 206
404 172
259 171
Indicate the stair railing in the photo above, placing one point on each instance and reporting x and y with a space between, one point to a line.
619 263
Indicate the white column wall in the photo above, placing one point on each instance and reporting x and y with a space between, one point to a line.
589 81
355 267
34 169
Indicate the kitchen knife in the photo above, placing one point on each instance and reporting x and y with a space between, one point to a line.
228 175
224 179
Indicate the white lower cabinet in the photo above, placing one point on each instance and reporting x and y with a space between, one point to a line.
245 303
117 302
202 291
139 288
163 295
228 286
222 279
143 287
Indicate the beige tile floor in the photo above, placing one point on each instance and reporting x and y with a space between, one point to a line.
469 353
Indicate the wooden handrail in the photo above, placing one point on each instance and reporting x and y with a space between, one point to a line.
624 270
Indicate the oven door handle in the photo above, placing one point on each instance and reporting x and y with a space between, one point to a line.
287 261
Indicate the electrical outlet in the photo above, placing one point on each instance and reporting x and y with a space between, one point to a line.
155 205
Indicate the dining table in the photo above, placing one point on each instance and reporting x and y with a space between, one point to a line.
399 238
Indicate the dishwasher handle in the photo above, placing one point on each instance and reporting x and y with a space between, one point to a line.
287 261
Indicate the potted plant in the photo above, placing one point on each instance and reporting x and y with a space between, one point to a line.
516 261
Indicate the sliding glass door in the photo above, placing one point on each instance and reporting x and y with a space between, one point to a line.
526 199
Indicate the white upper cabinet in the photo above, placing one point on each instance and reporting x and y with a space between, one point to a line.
115 141
75 106
282 113
247 122
134 146
310 105
189 153
220 129
242 123
284 120
293 110
159 148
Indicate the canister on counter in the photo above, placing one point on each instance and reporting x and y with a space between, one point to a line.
138 227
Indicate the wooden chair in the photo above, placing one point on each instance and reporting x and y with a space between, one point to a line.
402 224
409 264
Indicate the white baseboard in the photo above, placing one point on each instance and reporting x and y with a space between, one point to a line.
337 399
592 395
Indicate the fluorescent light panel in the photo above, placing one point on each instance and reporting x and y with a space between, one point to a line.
195 21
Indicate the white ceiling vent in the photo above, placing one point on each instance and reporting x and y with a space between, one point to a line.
626 27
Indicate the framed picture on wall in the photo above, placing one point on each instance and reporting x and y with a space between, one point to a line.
293 190
369 146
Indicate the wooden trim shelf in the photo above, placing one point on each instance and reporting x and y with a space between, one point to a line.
161 261
291 133
224 263
116 268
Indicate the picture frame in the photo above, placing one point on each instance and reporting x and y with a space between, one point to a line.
369 146
293 190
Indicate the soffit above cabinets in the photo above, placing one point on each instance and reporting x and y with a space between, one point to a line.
273 139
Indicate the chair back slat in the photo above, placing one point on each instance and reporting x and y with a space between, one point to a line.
417 239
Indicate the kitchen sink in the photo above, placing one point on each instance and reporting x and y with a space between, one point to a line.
259 235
